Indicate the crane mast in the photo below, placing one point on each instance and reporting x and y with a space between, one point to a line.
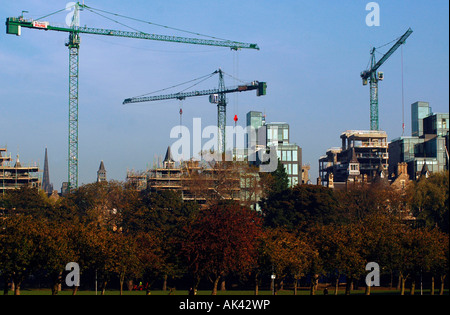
14 26
373 77
217 96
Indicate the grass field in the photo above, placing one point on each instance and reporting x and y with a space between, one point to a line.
375 291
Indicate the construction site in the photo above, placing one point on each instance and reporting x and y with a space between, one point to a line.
364 155
14 175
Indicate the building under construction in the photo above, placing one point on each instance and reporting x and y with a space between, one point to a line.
363 156
17 175
199 182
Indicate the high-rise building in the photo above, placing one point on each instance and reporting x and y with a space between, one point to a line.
419 111
427 148
363 157
276 134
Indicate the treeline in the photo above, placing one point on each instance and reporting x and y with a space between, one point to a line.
300 234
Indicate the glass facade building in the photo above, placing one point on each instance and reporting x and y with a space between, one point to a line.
419 111
427 145
277 134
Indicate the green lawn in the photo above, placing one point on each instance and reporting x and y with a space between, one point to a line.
229 292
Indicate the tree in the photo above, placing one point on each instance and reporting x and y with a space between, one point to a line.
288 252
104 202
26 200
19 236
162 214
150 256
299 205
429 200
220 240
54 251
362 199
280 179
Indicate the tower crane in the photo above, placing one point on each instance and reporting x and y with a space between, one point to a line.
216 96
14 26
372 76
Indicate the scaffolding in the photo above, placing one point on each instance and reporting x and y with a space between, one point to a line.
17 175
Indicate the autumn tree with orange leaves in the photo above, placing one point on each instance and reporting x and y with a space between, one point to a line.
221 239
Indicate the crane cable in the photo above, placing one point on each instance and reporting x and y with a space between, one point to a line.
202 78
403 96
155 24
133 19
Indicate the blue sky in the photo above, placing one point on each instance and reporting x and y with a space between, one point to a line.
312 53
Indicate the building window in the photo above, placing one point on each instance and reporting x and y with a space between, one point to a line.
294 169
354 167
294 156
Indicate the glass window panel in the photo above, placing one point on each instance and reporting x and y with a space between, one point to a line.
285 134
294 156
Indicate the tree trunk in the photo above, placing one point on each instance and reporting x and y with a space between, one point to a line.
5 286
403 284
441 290
55 288
432 286
16 288
295 285
216 282
348 286
312 289
104 287
368 290
121 281
336 286
413 287
256 285
222 286
164 286
75 290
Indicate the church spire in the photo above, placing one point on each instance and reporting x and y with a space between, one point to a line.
101 173
46 186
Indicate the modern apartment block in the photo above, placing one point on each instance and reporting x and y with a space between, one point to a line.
426 148
363 156
276 134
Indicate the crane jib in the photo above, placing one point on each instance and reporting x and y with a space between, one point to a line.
261 88
14 25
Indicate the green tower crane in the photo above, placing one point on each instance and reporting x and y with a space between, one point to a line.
15 24
372 76
216 96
